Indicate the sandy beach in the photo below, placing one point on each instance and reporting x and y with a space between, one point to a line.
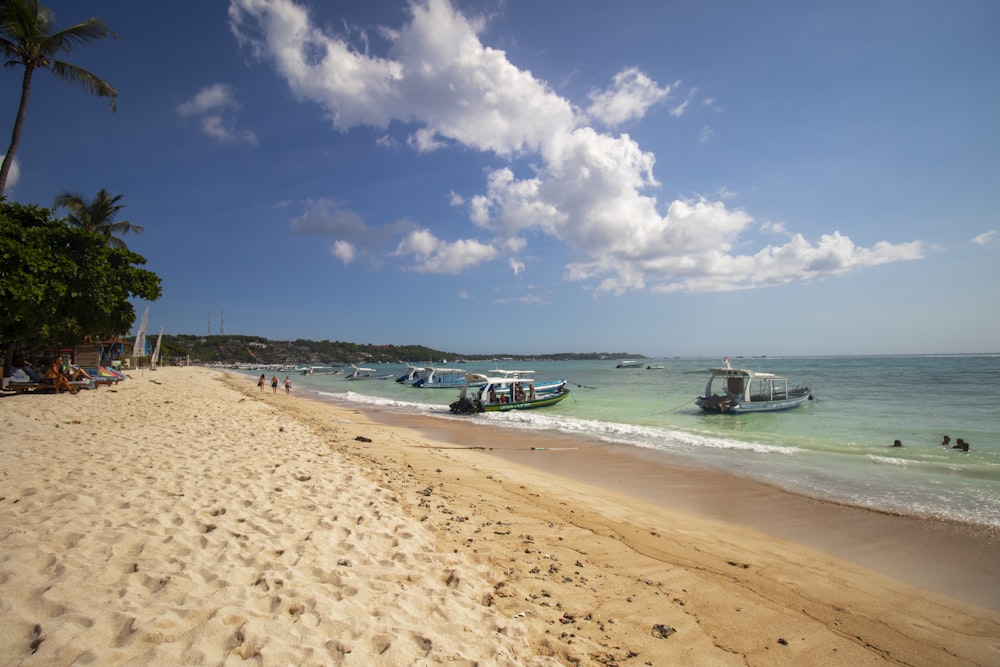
185 518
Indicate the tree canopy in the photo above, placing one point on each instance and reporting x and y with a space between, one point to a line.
99 215
59 284
28 39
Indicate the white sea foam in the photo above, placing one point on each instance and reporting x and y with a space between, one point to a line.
891 460
649 437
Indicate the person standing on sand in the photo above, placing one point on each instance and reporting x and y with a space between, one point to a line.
261 381
288 385
274 384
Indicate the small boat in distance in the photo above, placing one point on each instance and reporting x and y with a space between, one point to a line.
655 367
750 391
629 363
499 394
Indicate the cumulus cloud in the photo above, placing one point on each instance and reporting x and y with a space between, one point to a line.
344 251
14 173
985 237
355 239
592 190
630 96
432 255
216 109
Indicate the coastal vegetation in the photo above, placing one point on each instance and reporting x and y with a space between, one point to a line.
61 283
245 349
99 214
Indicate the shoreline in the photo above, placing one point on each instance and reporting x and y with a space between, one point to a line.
953 558
184 517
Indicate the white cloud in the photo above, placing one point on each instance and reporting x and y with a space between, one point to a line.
591 190
216 108
14 173
355 239
343 251
432 255
985 237
631 95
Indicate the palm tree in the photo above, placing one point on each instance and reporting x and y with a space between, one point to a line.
27 39
97 215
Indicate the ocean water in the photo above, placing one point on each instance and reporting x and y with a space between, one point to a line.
835 447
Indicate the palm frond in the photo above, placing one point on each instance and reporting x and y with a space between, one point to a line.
81 33
90 82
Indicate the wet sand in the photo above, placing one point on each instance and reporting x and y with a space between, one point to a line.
951 558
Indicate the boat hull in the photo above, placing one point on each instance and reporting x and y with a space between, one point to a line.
541 401
737 407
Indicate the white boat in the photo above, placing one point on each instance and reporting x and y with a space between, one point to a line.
629 363
499 394
412 374
478 379
361 373
441 378
750 391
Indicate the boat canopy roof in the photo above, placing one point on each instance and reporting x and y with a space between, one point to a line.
741 372
499 372
489 379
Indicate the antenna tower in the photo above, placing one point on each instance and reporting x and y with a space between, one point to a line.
222 322
209 323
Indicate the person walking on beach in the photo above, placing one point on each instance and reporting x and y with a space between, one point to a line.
274 384
261 381
288 385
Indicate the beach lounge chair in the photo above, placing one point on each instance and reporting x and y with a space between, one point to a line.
21 387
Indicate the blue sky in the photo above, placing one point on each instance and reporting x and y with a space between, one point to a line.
489 176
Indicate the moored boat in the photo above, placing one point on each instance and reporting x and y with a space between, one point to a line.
411 375
629 363
750 391
441 378
478 380
499 394
361 373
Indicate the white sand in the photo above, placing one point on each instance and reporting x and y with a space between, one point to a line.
171 521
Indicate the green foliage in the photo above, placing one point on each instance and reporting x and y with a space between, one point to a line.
231 349
98 215
58 284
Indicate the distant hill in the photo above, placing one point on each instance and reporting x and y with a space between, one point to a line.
256 349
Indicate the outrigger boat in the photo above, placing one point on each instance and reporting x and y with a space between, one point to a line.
440 378
361 373
499 394
412 374
478 380
750 391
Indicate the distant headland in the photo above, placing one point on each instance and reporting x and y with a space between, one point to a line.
233 349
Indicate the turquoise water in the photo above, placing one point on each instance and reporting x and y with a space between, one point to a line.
834 447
